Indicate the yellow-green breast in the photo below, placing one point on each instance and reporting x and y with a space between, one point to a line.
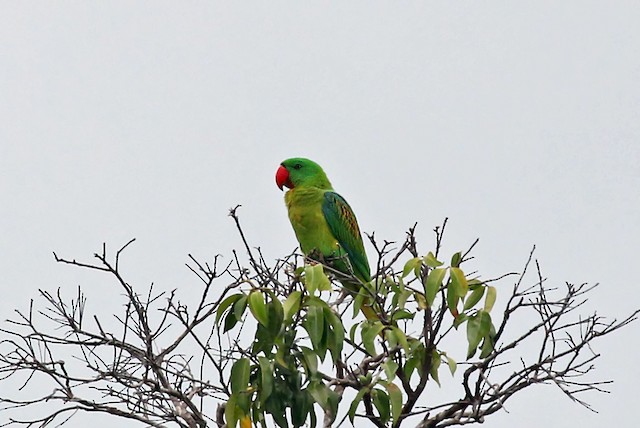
308 221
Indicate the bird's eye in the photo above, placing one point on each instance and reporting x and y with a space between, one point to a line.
297 166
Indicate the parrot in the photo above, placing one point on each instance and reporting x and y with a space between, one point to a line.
324 223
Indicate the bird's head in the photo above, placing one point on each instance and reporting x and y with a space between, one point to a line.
297 172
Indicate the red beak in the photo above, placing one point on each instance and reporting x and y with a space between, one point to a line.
282 178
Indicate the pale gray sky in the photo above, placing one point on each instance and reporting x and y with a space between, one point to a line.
519 121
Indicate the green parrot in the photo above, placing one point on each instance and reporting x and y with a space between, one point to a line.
324 222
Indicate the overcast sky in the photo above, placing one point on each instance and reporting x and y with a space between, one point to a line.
520 121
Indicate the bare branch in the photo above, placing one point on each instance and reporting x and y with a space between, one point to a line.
165 358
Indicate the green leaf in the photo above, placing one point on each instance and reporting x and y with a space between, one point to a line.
434 282
487 347
456 259
310 359
459 282
485 323
258 308
370 331
473 298
231 411
282 357
420 300
478 327
490 300
390 368
230 300
390 338
396 400
452 365
474 283
381 286
352 332
399 337
359 300
488 343
314 325
266 378
354 404
381 402
302 405
457 321
411 265
313 421
318 391
436 360
240 372
324 396
402 314
239 307
263 341
229 321
278 414
335 336
414 359
452 299
276 315
431 261
316 279
291 305
410 366
473 334
402 296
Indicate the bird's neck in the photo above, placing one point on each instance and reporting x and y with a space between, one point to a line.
304 195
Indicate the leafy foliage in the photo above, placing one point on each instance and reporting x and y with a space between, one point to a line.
286 344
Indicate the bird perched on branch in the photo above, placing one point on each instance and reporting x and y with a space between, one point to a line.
325 224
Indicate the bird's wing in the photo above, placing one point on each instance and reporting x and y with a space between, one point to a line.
344 227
